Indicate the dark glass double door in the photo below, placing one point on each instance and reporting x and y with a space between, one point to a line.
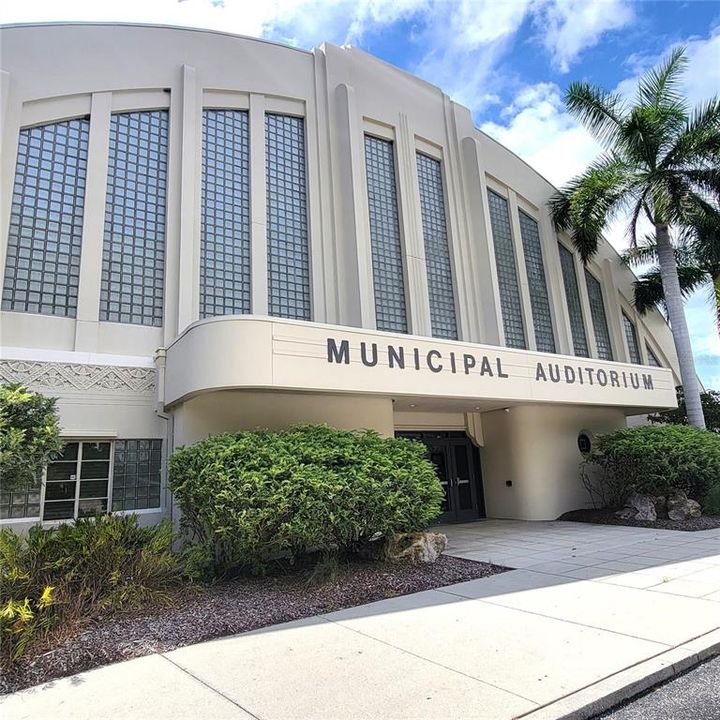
458 466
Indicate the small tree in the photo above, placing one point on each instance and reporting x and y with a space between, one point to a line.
29 435
711 408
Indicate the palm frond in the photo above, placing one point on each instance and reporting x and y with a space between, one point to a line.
648 289
660 86
699 140
601 112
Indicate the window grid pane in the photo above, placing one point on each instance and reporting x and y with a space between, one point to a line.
386 248
539 301
631 335
136 474
599 319
42 268
437 254
287 226
225 214
134 247
506 271
572 293
652 357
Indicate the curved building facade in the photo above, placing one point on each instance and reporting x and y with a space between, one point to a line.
203 233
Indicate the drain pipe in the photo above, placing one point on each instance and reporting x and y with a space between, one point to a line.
160 358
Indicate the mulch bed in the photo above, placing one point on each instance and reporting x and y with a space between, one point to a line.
607 517
232 607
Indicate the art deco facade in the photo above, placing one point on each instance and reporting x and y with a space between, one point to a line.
203 232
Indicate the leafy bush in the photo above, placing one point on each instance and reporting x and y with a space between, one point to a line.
654 459
252 497
75 571
29 435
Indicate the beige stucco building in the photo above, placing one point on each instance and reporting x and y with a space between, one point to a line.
203 233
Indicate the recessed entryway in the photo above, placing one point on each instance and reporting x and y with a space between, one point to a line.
458 466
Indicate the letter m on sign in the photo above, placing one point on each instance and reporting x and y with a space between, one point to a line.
338 354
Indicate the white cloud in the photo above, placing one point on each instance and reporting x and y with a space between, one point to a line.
568 27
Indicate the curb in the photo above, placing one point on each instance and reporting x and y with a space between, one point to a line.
625 684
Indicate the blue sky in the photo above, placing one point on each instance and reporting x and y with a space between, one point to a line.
509 61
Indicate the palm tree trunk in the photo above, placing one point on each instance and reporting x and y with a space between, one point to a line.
716 290
678 323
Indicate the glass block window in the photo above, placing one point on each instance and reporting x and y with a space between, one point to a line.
632 341
539 300
506 271
437 253
77 483
572 293
225 214
652 357
134 247
20 504
386 248
136 474
42 269
288 252
599 319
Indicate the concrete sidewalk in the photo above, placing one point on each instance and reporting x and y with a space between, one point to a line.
591 611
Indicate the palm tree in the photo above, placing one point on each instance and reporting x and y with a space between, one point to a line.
697 253
661 161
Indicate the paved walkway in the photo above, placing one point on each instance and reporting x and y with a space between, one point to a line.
588 605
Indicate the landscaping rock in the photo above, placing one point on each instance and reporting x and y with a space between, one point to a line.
626 513
661 507
645 506
418 547
680 507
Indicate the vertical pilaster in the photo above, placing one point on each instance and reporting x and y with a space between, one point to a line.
521 269
416 287
86 327
556 288
614 313
258 206
191 157
9 123
585 303
356 221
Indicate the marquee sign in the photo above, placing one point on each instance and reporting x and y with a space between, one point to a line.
251 352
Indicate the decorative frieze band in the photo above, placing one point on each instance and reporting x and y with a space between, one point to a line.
61 376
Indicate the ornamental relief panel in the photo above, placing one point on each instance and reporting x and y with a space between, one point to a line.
77 377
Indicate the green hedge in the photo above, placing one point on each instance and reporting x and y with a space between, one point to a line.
253 497
654 459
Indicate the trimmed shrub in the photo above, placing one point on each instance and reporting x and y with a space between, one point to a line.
253 497
70 573
655 459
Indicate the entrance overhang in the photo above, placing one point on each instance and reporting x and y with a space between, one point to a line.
249 352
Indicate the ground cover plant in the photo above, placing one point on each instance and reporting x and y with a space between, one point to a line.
254 498
54 580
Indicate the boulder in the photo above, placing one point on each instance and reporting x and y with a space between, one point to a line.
661 506
417 547
645 506
680 507
626 513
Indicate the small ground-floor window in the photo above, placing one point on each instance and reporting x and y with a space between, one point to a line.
92 476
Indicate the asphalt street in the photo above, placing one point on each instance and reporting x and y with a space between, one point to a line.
692 696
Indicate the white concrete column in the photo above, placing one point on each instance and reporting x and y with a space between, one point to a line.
556 287
354 223
585 304
413 245
613 312
189 210
10 110
258 206
88 304
521 270
481 273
